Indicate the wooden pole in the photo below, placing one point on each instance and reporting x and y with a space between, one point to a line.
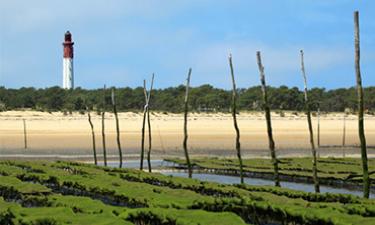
308 113
161 140
24 134
149 126
268 121
117 126
103 128
361 132
186 108
318 128
146 113
143 126
93 136
343 135
234 115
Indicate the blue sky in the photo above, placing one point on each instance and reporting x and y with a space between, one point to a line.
122 42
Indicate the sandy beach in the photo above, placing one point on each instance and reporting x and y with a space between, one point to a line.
211 134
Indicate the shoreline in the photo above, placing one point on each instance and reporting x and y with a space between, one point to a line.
249 154
210 134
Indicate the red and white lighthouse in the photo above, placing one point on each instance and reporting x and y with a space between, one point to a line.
68 78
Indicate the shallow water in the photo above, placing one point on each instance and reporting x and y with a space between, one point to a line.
225 179
157 163
257 181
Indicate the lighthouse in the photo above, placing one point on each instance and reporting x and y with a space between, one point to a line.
68 74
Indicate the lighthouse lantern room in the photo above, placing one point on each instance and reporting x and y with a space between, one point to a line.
68 78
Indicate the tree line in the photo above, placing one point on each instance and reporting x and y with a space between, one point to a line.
202 98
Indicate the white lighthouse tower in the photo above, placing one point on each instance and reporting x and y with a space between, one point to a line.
68 78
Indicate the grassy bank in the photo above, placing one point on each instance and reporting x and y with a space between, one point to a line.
73 193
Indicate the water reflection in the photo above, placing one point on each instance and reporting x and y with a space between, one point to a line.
257 181
225 179
134 164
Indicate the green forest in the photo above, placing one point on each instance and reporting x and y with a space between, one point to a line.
205 98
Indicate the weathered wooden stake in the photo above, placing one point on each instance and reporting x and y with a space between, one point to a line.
318 128
149 126
24 133
234 115
361 132
186 108
93 136
145 114
117 127
343 135
268 120
143 126
308 113
103 128
161 140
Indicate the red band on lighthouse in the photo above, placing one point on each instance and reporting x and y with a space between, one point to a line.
68 45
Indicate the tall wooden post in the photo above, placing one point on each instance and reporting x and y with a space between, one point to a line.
117 126
268 121
143 126
145 114
103 129
93 136
149 126
343 135
234 115
186 108
318 128
361 131
24 134
308 113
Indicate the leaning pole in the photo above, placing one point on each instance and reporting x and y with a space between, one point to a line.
186 109
308 113
103 129
361 130
267 111
234 115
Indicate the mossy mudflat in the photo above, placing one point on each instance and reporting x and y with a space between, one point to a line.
74 193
